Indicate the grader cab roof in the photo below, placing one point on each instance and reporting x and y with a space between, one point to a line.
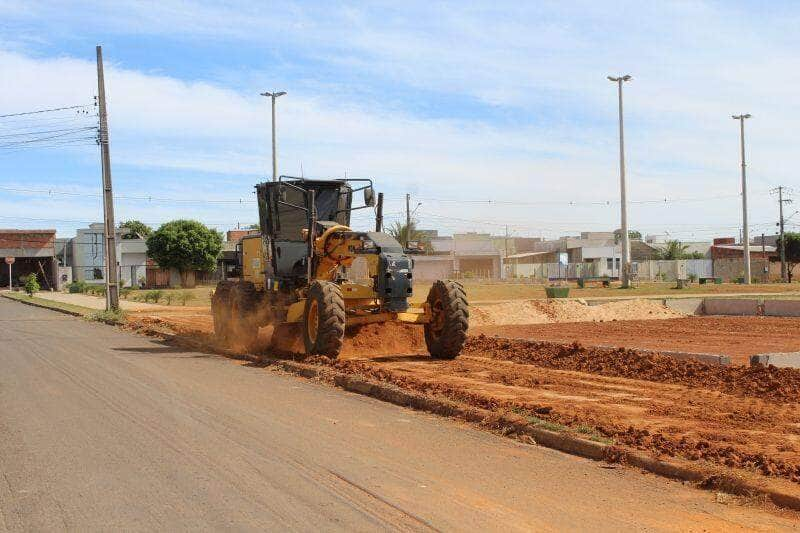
283 204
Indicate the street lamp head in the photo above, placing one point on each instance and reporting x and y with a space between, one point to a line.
612 78
274 94
626 77
280 94
740 117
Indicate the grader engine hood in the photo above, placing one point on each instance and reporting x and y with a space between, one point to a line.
393 283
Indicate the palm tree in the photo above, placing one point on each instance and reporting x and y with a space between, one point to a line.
674 249
405 234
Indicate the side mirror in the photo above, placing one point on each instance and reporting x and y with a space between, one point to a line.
369 196
282 194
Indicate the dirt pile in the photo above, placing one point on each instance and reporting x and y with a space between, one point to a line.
389 338
550 311
770 383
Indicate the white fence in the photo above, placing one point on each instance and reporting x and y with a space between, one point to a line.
647 270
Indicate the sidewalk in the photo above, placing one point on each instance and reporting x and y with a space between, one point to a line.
95 302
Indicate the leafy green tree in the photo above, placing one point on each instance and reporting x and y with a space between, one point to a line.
138 230
632 234
32 285
792 240
185 245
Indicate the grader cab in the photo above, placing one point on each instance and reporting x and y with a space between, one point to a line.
307 268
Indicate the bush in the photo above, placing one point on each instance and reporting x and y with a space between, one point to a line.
95 290
185 296
153 296
125 292
168 296
77 287
692 277
32 285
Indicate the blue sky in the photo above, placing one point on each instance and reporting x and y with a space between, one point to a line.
489 114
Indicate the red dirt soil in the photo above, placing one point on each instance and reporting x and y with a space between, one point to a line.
739 337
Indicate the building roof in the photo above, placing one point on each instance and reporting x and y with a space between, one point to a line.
527 254
754 248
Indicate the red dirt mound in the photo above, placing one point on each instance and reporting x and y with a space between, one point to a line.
770 383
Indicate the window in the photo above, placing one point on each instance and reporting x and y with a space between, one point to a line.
609 264
97 273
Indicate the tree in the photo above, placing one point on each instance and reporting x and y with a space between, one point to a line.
632 234
32 285
398 231
138 230
185 245
674 249
792 251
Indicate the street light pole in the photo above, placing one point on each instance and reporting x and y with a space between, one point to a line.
625 271
745 228
274 96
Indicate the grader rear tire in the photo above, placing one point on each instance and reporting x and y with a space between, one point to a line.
244 304
221 310
446 333
324 319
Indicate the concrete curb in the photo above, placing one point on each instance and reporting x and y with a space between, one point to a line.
704 476
43 306
777 359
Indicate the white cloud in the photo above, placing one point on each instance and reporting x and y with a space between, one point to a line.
694 64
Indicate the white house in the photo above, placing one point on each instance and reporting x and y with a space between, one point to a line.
88 256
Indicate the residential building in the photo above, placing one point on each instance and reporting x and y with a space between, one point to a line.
88 256
462 255
726 248
33 252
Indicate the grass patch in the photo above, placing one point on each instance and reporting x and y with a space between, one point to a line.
50 304
546 424
583 430
115 316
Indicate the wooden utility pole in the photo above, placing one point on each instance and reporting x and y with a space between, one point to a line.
408 219
112 284
781 201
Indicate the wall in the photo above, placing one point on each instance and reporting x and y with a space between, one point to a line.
731 269
432 267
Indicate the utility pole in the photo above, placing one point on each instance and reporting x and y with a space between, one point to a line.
112 285
781 200
745 228
626 244
408 219
274 96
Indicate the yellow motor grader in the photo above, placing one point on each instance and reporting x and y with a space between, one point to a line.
307 268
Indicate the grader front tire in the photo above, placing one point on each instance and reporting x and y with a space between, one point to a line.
446 332
324 319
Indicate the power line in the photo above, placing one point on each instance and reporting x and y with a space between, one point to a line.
50 110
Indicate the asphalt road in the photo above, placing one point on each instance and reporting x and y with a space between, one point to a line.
103 429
